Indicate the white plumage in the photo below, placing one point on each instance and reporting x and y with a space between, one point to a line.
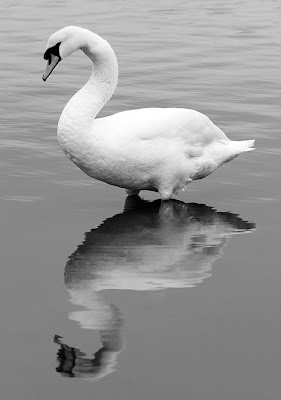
159 149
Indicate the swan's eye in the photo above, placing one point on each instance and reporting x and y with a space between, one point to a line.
47 54
55 50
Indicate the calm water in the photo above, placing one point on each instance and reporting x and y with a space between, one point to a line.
134 299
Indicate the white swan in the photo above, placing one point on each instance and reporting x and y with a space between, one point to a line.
146 149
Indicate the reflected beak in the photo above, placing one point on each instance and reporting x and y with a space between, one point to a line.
51 64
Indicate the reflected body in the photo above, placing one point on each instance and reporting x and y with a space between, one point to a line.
150 246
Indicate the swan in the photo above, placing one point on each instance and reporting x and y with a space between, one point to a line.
157 149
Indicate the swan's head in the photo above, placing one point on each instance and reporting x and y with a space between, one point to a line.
61 44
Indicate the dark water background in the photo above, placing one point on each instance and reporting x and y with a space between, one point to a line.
157 302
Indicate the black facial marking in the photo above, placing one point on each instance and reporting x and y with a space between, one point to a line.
55 50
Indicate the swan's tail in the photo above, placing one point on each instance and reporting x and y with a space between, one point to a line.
237 147
246 145
234 148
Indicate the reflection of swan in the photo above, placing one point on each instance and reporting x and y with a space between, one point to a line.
106 319
150 246
152 149
154 246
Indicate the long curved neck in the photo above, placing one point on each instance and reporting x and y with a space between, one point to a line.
81 110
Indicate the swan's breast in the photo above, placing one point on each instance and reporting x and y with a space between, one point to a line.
108 160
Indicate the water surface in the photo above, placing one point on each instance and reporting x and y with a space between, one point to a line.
108 298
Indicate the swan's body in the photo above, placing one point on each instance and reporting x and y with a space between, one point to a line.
146 149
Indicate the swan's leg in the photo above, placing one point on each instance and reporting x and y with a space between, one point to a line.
165 193
132 192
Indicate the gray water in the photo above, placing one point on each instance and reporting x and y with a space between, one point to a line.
108 298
